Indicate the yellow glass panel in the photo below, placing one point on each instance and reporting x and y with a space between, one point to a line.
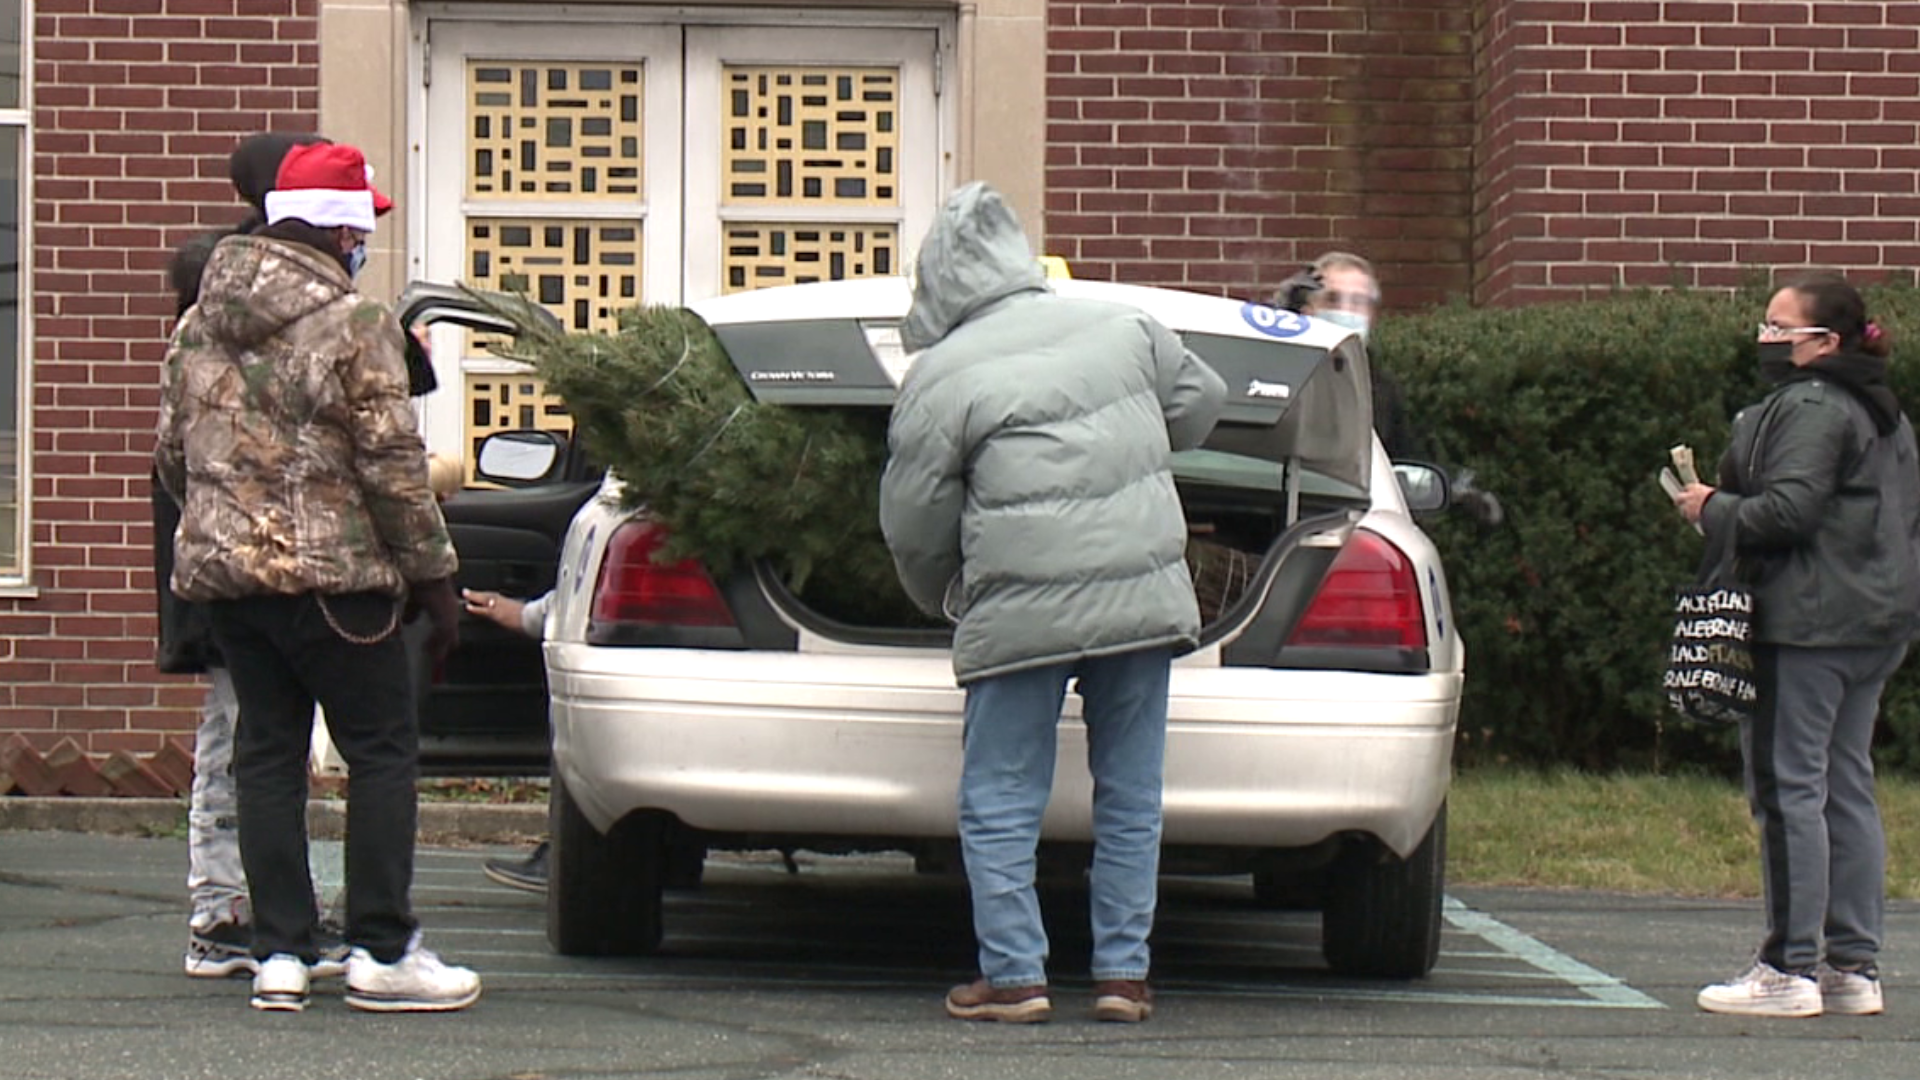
810 136
554 130
582 270
760 254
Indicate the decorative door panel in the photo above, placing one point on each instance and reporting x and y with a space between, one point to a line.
820 162
596 165
553 170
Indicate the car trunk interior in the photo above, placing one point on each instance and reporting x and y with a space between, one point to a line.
1248 520
1286 468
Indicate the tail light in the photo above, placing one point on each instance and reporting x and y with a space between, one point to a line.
633 589
1370 599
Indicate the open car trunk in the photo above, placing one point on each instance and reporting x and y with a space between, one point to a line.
1289 461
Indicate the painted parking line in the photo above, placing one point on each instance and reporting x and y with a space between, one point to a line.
1604 989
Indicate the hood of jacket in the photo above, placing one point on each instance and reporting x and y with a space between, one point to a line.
1865 376
975 255
256 286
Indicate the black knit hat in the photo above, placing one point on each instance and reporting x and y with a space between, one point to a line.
256 161
252 166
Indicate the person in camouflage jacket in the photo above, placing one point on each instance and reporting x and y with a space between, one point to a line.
286 423
307 524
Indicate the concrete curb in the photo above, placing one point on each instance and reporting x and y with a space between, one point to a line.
440 822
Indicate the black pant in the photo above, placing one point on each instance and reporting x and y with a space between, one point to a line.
285 655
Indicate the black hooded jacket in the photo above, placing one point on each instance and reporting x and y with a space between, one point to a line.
1821 485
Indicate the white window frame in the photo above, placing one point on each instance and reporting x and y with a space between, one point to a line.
17 581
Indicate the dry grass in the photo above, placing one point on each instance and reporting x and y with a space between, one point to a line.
1671 835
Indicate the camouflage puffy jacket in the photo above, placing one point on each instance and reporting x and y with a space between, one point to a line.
287 436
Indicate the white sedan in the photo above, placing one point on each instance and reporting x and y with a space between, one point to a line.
1309 739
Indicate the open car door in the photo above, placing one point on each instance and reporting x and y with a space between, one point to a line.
485 710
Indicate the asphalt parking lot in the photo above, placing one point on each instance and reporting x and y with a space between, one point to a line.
837 971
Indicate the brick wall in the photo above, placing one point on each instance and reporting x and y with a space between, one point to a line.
1644 143
137 103
1499 88
1216 146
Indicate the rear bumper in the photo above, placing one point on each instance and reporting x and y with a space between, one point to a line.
869 745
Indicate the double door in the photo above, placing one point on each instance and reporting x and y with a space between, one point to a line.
596 166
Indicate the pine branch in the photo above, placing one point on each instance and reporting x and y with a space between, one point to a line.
732 480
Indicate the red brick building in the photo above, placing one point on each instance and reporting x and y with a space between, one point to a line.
1503 151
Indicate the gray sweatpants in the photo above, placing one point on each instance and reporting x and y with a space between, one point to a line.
215 879
1809 779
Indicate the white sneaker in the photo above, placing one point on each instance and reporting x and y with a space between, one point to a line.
1852 993
1763 990
417 982
281 984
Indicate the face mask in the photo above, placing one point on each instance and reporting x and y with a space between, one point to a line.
356 260
1351 320
1776 360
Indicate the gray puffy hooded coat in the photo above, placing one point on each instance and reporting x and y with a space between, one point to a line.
1028 494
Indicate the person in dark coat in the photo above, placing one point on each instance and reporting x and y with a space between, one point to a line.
1341 288
1820 489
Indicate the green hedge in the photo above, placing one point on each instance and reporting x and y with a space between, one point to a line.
1566 412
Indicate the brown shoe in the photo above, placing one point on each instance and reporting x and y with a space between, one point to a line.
1122 1001
979 1000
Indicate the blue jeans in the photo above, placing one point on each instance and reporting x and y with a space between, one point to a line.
1007 776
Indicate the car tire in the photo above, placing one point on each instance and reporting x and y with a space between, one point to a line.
603 890
1382 914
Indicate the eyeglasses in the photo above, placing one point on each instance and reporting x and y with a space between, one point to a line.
1775 330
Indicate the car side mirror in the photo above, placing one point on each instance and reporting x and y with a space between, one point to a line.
1423 486
518 459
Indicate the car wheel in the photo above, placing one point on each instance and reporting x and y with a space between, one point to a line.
1382 915
603 891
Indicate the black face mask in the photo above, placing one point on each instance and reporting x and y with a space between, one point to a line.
1776 361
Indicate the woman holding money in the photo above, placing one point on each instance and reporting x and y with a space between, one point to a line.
1820 488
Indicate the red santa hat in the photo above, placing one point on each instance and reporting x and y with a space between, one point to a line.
326 184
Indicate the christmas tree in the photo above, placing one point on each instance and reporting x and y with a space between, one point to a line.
733 481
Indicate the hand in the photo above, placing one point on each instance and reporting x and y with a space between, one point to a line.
437 599
1692 500
1294 292
493 607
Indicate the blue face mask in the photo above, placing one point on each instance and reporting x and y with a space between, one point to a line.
357 259
1352 320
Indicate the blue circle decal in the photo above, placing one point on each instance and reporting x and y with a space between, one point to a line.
1273 321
